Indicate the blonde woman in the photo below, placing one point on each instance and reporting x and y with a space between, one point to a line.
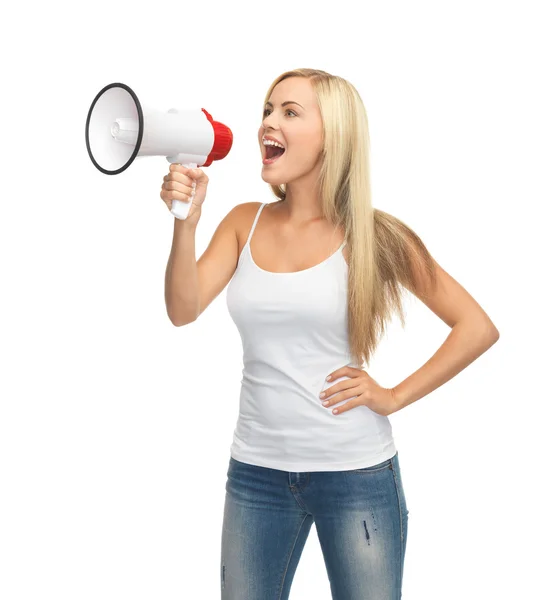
314 277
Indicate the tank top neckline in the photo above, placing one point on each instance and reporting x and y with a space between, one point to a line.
247 247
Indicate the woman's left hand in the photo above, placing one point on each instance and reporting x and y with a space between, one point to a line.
367 391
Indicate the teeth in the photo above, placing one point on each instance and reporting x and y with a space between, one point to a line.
271 143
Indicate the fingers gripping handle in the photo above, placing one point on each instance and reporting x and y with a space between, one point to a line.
180 208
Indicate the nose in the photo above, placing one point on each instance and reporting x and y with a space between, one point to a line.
267 121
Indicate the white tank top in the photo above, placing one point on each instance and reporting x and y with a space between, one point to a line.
294 333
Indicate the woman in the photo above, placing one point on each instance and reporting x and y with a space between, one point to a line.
310 298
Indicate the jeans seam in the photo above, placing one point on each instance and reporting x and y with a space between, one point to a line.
290 558
400 520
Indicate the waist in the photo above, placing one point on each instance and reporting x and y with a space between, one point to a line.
291 430
296 413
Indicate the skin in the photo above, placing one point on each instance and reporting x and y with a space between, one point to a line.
299 129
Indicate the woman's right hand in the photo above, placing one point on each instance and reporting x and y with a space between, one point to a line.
178 186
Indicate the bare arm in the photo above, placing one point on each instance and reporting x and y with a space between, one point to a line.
181 281
472 334
191 286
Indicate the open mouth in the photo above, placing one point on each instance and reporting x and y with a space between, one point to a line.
272 154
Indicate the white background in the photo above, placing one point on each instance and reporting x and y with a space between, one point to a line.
115 426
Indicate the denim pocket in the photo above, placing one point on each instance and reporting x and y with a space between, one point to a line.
386 464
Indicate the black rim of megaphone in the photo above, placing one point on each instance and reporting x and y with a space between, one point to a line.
139 134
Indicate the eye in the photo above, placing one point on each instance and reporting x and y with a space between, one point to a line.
287 110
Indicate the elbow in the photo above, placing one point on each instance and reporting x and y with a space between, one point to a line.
181 322
484 332
492 335
487 331
179 318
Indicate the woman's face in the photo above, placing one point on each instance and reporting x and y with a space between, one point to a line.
297 126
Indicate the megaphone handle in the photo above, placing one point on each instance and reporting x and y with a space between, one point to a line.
180 209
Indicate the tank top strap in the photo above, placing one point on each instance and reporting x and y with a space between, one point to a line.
255 223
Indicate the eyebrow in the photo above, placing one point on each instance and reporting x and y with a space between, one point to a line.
284 103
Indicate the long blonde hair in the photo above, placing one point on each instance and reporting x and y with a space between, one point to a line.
384 252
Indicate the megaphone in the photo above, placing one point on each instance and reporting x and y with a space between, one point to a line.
120 129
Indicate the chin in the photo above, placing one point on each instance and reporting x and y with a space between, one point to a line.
272 178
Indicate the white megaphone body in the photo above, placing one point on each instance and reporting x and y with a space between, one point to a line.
120 129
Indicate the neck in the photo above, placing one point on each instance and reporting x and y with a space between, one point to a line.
302 203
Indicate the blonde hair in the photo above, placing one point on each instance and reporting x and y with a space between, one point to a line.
384 253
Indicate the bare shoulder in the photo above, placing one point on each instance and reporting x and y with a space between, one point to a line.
219 261
238 217
239 212
244 215
243 211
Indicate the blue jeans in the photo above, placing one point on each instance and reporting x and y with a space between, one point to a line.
361 520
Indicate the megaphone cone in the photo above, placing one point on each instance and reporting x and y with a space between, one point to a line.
120 129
